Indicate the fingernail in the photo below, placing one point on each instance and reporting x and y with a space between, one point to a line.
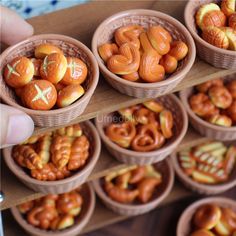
20 127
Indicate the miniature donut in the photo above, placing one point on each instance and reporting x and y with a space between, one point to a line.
221 120
220 96
231 86
178 50
204 87
169 63
107 50
202 232
69 94
18 72
54 67
228 7
43 50
207 216
76 72
232 21
166 123
37 63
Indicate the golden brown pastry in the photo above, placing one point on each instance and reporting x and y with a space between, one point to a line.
107 50
43 50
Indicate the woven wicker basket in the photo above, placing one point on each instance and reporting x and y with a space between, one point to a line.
163 190
172 103
146 18
67 184
70 47
203 127
217 57
87 210
206 189
184 225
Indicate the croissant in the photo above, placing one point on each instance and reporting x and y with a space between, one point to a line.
107 50
228 7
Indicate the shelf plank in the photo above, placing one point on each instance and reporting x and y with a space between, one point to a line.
16 192
101 217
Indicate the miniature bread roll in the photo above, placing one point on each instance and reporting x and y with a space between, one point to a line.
178 50
76 72
19 72
39 95
169 63
69 94
45 49
54 67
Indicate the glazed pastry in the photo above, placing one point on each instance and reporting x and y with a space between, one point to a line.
69 94
25 207
121 134
213 18
232 21
178 50
202 232
59 86
231 35
43 50
187 162
128 34
39 95
146 44
207 216
137 174
128 113
231 86
216 37
76 72
37 64
62 222
220 120
228 7
71 131
107 50
166 122
19 72
154 106
126 62
112 175
231 111
132 77
230 159
54 67
169 63
145 116
204 87
43 148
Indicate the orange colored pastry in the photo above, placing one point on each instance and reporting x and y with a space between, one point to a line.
126 62
25 207
59 86
147 139
232 21
121 134
228 7
202 105
216 37
107 50
207 216
204 87
220 96
167 123
122 180
150 71
128 112
231 86
132 77
54 67
169 63
62 222
230 159
69 94
146 44
76 72
203 10
39 95
221 120
128 34
43 148
43 50
178 50
154 106
145 116
37 64
213 18
160 39
137 174
18 72
231 35
202 232
231 111
187 162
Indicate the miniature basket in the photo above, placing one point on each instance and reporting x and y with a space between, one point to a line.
203 127
200 188
185 221
172 103
67 184
163 190
70 47
88 195
215 56
146 18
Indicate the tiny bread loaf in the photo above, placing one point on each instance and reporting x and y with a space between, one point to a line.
39 95
45 49
19 72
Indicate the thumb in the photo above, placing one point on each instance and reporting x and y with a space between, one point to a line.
15 126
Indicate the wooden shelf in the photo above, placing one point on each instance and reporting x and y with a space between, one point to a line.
101 217
16 192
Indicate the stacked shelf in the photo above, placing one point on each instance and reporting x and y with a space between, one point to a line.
105 99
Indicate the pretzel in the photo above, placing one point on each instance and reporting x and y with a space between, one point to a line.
62 222
122 134
220 97
71 131
167 123
126 61
137 174
147 139
128 34
43 148
49 200
153 106
107 50
79 153
128 112
202 106
146 188
145 116
25 156
231 86
122 181
204 87
114 174
60 151
25 207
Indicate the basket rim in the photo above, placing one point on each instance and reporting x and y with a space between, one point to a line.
13 166
198 38
75 228
159 151
187 212
103 196
183 98
74 105
140 12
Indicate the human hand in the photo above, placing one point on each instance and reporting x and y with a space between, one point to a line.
15 125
